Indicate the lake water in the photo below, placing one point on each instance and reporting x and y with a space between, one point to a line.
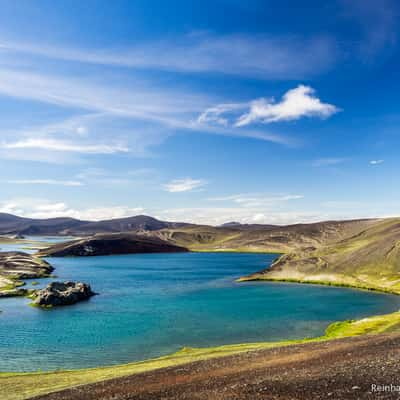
154 304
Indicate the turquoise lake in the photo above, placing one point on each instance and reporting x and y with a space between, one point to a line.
154 304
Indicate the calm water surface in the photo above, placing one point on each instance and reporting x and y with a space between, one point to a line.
154 304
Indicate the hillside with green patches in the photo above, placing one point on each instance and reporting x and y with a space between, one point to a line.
272 239
369 259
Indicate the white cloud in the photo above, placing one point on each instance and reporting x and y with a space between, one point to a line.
101 213
44 182
296 103
42 208
220 215
59 145
376 162
184 185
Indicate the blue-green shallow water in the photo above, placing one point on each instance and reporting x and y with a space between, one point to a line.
153 304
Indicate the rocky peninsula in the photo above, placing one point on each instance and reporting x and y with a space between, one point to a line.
16 266
108 244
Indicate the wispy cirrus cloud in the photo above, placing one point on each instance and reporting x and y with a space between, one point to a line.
161 112
73 138
141 100
149 112
44 182
261 56
184 185
216 114
59 145
296 103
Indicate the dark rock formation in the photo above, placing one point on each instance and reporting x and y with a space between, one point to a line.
107 244
62 293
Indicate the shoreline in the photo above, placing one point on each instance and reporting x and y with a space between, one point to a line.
319 283
23 385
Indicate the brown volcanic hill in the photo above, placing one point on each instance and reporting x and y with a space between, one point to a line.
279 239
238 225
366 256
12 224
108 244
136 223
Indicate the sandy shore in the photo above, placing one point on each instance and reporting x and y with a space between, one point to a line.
339 369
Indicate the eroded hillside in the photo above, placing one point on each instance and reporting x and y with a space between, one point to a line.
368 258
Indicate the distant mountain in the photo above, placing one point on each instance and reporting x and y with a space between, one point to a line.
136 223
12 224
239 225
231 224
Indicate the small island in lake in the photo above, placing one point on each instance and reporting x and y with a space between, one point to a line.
62 294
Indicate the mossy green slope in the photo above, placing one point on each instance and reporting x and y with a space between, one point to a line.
368 259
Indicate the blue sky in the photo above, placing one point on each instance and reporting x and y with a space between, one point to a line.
201 111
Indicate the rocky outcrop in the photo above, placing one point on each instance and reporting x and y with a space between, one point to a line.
62 294
17 264
14 292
